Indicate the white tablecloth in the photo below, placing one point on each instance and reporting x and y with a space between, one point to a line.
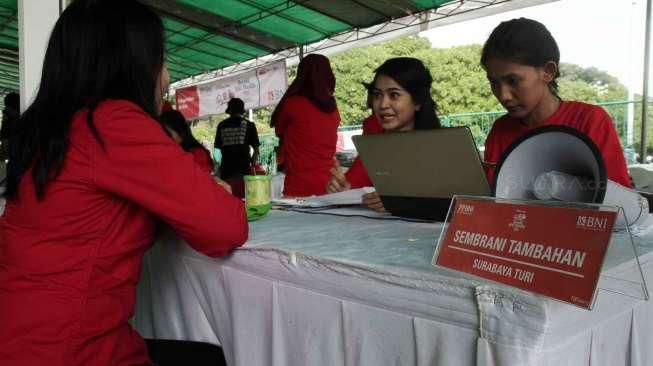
312 289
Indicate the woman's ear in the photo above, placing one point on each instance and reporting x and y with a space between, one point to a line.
418 107
550 71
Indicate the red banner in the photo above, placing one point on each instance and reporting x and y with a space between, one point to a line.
258 87
188 102
553 251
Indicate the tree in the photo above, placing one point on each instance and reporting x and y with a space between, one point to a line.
589 84
589 75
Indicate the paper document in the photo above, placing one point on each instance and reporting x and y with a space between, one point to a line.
350 197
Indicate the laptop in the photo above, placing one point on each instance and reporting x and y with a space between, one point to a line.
416 173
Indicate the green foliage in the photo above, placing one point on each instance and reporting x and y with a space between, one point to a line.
590 75
593 92
459 83
352 69
262 119
638 125
204 130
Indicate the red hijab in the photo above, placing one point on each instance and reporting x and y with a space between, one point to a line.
314 81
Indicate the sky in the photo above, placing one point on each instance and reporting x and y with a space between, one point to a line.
606 34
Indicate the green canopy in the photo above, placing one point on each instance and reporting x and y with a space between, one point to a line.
207 35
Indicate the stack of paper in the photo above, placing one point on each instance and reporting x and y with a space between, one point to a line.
350 197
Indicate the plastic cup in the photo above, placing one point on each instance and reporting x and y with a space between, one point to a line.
257 196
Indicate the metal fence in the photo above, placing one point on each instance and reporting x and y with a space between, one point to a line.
481 122
620 112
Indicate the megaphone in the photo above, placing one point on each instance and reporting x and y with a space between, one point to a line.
561 163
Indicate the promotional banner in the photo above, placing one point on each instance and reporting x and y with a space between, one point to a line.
257 88
553 251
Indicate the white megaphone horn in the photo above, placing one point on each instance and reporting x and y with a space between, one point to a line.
561 163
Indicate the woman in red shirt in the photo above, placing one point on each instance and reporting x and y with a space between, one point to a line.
306 121
521 61
90 173
177 127
400 97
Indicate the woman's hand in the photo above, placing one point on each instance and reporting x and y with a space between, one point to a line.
373 201
223 184
338 182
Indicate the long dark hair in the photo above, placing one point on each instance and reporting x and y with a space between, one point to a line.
99 49
315 81
524 41
413 76
175 121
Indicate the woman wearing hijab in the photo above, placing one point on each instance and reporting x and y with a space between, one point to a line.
306 122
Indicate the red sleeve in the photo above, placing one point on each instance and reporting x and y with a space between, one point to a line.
602 131
491 154
202 158
143 165
357 175
371 126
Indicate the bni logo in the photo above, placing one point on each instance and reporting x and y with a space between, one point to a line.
465 209
592 223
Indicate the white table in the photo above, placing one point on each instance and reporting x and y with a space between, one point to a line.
311 289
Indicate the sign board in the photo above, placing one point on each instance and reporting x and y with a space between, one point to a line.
257 88
555 251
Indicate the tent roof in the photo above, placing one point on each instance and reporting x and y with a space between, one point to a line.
207 35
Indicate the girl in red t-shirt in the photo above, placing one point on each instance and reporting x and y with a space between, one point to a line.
521 60
400 97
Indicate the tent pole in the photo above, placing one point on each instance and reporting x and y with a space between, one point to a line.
647 54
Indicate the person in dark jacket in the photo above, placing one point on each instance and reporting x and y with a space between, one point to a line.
234 138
